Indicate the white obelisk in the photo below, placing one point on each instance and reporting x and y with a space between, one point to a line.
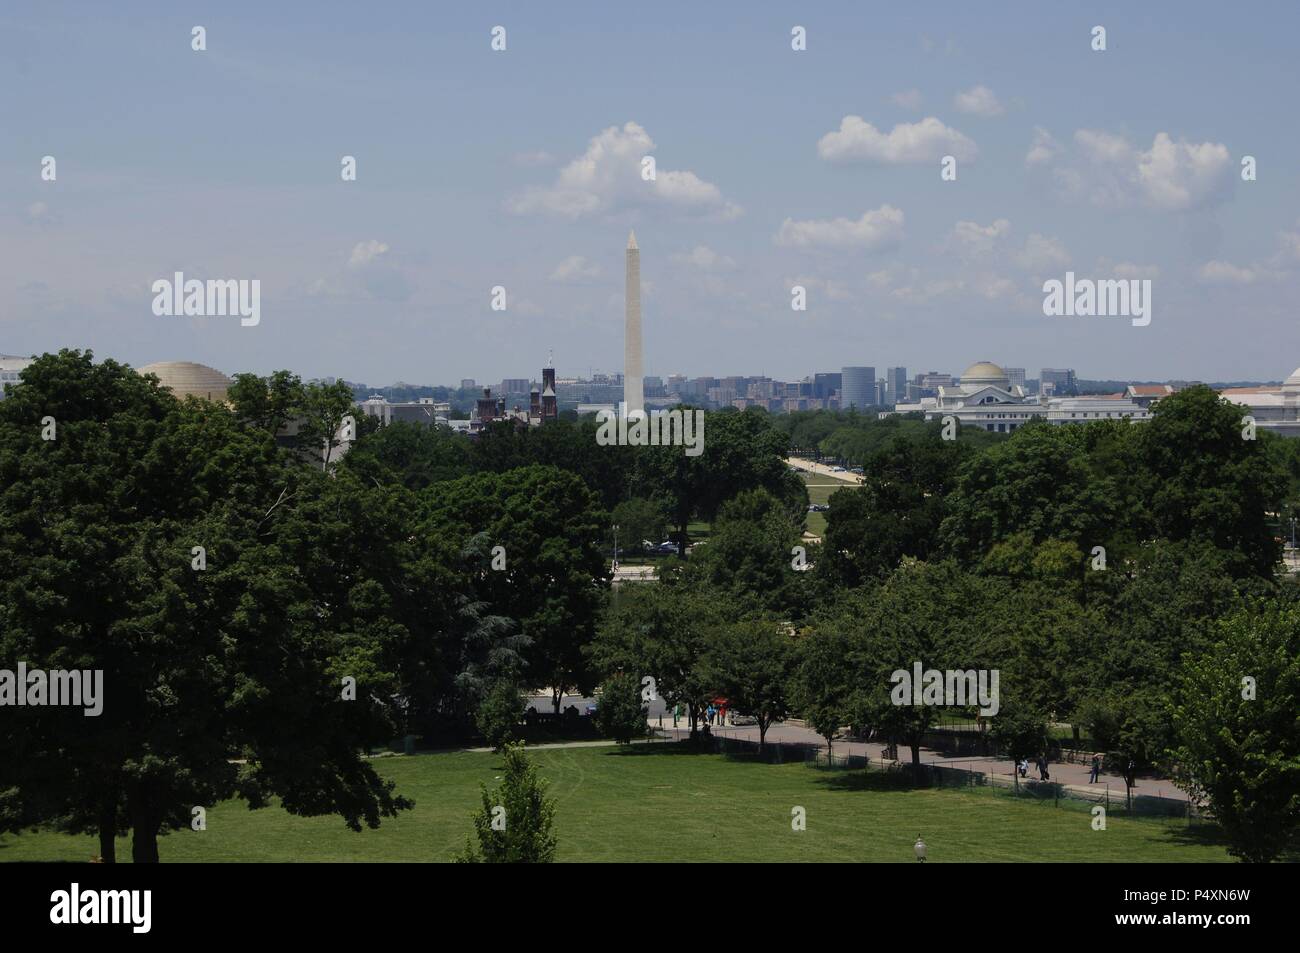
633 391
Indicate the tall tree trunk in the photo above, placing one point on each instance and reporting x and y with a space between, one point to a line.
762 736
145 823
108 828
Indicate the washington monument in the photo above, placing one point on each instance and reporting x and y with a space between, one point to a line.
633 392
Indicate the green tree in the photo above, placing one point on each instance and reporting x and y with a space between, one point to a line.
176 550
639 519
620 713
322 409
820 686
1237 719
499 714
751 664
266 403
513 826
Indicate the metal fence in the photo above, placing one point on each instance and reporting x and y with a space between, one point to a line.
1116 800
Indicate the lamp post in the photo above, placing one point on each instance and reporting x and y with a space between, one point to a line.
919 847
616 546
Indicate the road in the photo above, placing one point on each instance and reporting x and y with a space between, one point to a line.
822 469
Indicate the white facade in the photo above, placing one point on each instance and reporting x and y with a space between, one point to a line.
1274 408
986 398
10 369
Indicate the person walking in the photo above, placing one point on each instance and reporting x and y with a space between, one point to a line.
677 713
1042 768
1096 770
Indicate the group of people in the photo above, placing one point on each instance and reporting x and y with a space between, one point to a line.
714 714
1040 762
1093 773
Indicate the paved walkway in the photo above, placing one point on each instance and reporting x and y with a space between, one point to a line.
822 469
1074 775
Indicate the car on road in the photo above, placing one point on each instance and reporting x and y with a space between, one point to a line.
837 470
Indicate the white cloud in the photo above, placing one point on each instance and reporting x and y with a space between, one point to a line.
363 253
907 99
1041 254
1101 146
1182 175
1222 272
1044 148
1170 176
607 178
575 268
928 140
875 230
978 101
704 258
972 240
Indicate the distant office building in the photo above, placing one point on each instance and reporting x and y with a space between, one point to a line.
858 387
895 385
825 385
1016 375
1058 381
515 386
10 369
467 383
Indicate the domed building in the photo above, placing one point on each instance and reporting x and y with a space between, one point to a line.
986 398
187 379
985 374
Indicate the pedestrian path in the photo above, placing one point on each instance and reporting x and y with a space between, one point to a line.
1061 772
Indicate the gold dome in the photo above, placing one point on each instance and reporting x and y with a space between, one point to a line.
185 379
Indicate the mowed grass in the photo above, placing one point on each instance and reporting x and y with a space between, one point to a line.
665 803
820 487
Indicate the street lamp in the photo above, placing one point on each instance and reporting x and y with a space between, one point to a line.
919 847
615 545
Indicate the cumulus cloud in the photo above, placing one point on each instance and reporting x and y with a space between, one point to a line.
909 142
1042 253
1182 175
1223 272
363 253
1043 149
372 272
607 178
877 229
575 268
1172 176
704 258
978 101
972 240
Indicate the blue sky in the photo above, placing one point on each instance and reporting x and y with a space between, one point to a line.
521 168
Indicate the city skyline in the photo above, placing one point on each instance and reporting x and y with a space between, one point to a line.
818 168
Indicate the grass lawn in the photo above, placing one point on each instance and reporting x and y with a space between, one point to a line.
662 803
820 488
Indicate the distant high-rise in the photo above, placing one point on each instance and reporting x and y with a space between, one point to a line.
633 394
896 385
1061 380
858 387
